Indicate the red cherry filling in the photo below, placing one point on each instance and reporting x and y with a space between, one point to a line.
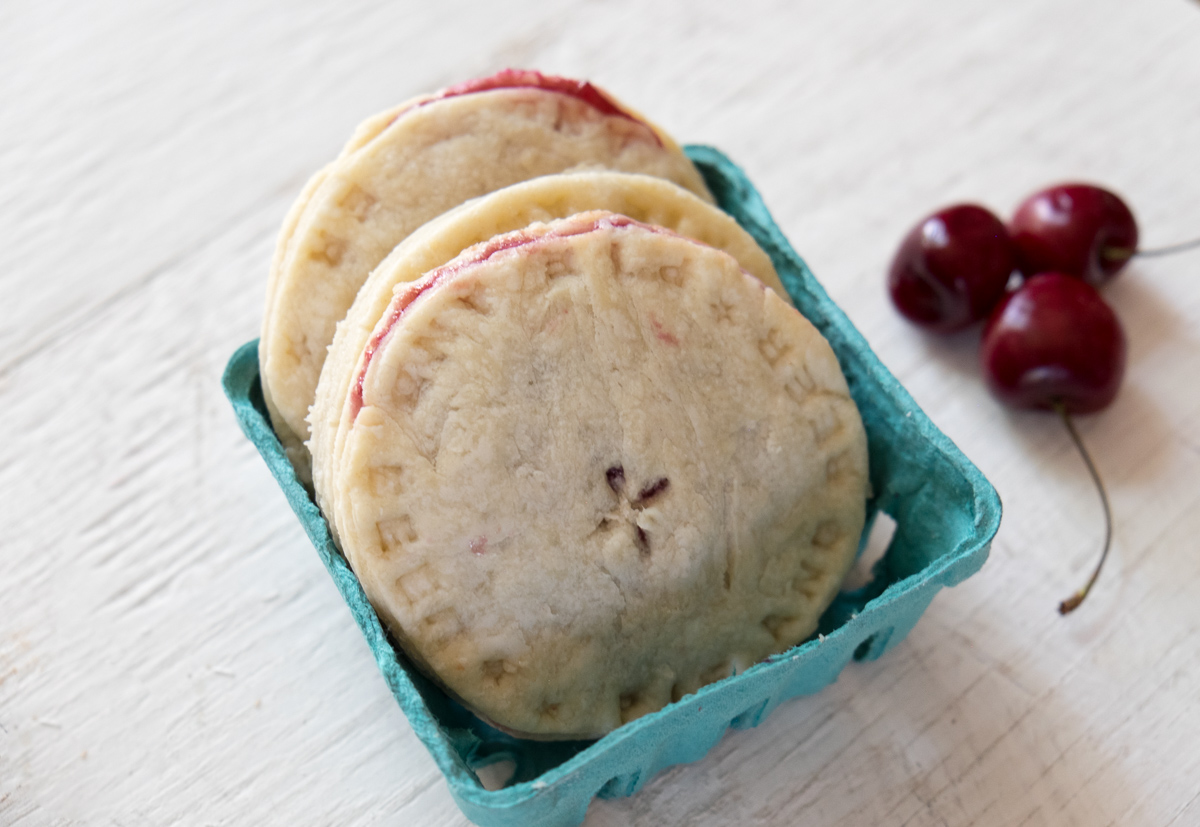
951 268
1054 340
517 78
530 79
1078 229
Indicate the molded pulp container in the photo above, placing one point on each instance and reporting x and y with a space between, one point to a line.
946 515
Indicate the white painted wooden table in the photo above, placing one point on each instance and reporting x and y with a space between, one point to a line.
172 651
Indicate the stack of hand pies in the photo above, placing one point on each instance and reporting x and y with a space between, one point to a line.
580 450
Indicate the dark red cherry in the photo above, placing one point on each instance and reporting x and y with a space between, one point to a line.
951 268
1078 229
1054 340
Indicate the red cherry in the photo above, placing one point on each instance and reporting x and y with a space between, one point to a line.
1078 229
1055 343
951 268
1054 339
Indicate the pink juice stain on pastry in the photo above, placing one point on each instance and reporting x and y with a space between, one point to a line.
661 332
406 297
530 79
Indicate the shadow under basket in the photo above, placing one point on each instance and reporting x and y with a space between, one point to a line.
945 511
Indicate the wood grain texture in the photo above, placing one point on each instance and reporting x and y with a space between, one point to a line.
171 650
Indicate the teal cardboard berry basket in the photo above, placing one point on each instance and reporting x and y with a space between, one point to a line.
946 514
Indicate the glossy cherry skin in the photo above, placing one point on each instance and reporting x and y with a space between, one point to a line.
1078 229
951 268
1054 339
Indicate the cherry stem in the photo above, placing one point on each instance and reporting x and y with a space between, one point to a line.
1166 251
1072 603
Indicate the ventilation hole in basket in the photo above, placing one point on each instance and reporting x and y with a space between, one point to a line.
882 531
620 786
750 717
495 776
864 648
